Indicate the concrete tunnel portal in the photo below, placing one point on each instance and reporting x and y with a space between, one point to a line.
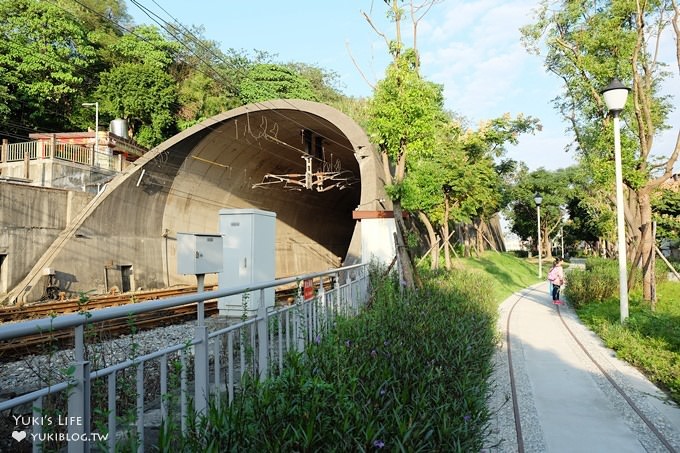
307 162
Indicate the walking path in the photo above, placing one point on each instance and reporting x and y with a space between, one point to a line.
565 401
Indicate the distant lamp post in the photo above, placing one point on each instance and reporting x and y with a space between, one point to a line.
96 125
615 95
538 199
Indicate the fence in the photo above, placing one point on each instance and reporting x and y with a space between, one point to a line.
256 346
17 152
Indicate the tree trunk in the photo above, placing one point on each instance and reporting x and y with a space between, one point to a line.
646 246
478 226
432 237
545 246
402 250
445 234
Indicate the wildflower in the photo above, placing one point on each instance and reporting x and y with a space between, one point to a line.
386 342
317 340
348 343
378 443
374 353
467 417
382 391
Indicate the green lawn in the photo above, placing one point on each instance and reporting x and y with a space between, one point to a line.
650 340
508 272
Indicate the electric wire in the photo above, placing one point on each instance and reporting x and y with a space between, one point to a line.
164 25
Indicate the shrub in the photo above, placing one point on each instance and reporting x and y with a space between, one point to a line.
591 286
411 374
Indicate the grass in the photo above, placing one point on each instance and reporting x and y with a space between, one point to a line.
507 273
649 340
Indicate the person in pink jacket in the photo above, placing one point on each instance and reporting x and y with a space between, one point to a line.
556 278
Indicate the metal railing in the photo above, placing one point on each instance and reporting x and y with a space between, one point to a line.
256 346
71 153
17 152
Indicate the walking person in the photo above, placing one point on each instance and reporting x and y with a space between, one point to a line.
556 279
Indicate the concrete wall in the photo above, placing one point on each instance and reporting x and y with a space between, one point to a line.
59 174
31 218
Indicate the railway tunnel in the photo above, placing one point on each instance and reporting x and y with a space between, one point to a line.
307 162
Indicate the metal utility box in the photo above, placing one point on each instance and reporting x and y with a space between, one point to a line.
199 253
249 254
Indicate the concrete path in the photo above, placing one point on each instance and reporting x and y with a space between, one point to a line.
565 401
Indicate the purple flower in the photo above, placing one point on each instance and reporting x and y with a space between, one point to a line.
378 443
374 353
383 391
348 343
467 417
317 340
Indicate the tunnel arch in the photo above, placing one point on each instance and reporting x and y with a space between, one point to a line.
230 161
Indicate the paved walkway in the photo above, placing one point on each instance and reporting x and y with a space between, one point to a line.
566 403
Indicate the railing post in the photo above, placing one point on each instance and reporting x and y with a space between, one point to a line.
299 318
27 163
3 151
37 428
322 310
201 370
262 340
79 397
53 146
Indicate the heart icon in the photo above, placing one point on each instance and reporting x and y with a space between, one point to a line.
19 435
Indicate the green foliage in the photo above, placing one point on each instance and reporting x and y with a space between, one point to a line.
271 81
145 95
405 111
44 54
556 189
666 206
146 46
56 55
409 374
586 287
650 340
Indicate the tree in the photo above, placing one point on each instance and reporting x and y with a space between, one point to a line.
588 44
139 88
44 55
272 81
458 180
556 189
667 214
403 116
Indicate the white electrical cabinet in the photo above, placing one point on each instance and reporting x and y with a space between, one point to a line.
249 256
199 253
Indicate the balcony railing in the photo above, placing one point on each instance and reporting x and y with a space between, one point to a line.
17 152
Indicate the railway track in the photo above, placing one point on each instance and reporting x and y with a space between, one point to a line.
59 307
46 341
49 341
646 422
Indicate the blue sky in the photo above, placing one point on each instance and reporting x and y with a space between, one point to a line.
471 47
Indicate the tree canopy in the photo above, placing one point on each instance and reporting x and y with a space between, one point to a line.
587 44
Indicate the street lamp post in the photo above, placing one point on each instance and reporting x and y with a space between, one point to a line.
538 199
96 127
615 95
